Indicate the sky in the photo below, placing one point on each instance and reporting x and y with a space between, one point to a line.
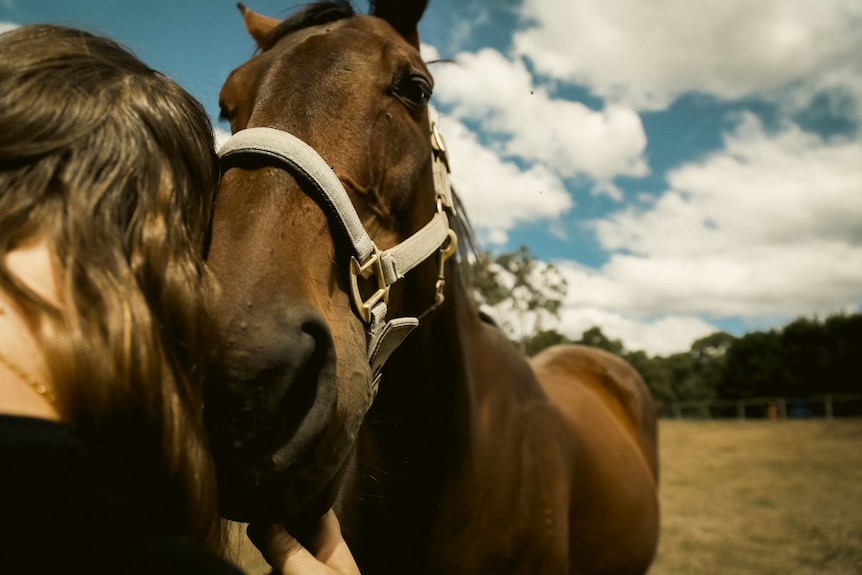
689 166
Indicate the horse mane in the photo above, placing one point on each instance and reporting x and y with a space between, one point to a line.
313 14
468 248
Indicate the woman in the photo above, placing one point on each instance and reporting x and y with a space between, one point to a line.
107 175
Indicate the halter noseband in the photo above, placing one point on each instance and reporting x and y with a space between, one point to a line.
387 266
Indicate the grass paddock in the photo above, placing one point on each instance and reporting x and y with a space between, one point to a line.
761 498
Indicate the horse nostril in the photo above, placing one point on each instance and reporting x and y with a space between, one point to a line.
304 398
279 379
314 357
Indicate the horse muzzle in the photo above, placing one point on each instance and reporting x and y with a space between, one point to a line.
272 417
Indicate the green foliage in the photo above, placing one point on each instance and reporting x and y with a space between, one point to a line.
595 338
525 292
807 357
541 340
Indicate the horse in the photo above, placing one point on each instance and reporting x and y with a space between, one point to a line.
359 372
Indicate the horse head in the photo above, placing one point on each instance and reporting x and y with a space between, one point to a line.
325 220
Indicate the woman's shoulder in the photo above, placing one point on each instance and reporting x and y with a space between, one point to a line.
34 449
57 513
23 430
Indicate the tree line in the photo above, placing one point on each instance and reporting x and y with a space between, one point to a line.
808 357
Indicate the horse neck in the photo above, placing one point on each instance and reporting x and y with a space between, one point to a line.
431 367
434 385
425 438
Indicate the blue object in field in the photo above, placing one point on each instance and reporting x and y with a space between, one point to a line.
800 409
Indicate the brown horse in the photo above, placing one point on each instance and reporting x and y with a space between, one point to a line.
331 235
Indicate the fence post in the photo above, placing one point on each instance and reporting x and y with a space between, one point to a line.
740 410
827 406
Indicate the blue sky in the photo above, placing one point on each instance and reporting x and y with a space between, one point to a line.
689 166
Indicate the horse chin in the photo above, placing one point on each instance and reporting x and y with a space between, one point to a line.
303 523
295 502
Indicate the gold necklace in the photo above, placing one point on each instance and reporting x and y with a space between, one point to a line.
34 383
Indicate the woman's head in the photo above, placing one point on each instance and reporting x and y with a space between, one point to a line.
113 165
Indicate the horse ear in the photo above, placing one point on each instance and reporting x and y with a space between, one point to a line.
403 15
258 26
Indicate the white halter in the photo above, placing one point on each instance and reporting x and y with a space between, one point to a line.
388 266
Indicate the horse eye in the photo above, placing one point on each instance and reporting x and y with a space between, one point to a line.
413 89
421 88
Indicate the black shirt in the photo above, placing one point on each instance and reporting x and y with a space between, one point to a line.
57 515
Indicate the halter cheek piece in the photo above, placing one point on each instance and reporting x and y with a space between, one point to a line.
387 266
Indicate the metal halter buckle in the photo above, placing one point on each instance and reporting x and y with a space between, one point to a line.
439 146
375 264
446 252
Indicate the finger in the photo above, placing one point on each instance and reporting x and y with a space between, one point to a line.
283 552
331 548
275 543
301 562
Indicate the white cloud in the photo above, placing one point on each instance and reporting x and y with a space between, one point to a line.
497 194
221 136
6 26
646 53
593 299
761 191
663 336
768 227
526 122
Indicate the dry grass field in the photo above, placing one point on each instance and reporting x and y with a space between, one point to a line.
761 498
752 498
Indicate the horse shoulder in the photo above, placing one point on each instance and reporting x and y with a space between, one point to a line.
611 417
570 372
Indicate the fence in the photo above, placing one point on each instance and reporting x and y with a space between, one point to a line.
824 406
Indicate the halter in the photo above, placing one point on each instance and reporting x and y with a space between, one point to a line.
368 261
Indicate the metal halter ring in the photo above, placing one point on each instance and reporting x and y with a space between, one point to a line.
374 263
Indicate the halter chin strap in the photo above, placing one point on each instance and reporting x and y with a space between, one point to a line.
386 266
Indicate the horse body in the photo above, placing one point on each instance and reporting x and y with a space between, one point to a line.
468 464
470 459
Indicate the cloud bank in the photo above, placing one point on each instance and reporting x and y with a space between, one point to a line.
767 226
772 224
645 54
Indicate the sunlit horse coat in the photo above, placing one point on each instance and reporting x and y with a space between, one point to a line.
471 459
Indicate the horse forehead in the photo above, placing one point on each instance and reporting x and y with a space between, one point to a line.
364 26
359 36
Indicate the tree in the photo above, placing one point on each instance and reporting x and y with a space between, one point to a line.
595 338
806 357
712 347
542 340
843 333
755 367
709 358
656 374
526 293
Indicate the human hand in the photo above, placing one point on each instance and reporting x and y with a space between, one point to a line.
327 554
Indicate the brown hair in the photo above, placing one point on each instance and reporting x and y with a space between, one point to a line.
113 164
